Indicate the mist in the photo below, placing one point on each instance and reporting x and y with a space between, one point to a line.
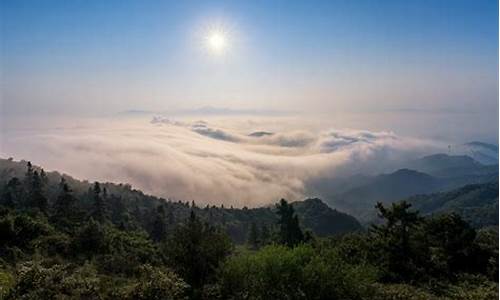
239 160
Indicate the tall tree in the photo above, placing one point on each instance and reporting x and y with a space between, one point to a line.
195 251
65 210
12 193
253 236
393 239
38 199
290 232
99 207
265 235
159 230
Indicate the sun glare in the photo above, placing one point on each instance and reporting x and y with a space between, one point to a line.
217 42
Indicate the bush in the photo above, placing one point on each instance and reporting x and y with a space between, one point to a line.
158 284
34 281
277 272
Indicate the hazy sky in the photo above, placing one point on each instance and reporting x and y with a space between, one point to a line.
354 87
101 57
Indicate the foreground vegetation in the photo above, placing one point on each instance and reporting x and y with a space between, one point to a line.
57 244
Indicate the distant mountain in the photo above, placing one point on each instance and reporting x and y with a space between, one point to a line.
429 174
482 152
130 206
442 163
385 188
476 203
451 166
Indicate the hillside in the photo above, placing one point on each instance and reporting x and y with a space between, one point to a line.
429 174
385 188
452 167
133 207
477 203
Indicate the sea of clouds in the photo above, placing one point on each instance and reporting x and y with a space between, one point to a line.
240 161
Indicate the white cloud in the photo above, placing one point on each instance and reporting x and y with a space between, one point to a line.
221 163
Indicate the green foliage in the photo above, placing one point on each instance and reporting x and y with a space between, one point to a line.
290 233
253 236
34 281
278 272
158 284
159 231
141 247
395 254
195 250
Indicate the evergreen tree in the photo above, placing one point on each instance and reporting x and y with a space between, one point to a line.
99 207
65 210
159 230
253 236
37 199
394 240
290 232
195 250
265 235
12 193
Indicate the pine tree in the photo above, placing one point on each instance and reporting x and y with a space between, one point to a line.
159 230
12 194
37 199
65 210
290 232
265 235
99 207
253 236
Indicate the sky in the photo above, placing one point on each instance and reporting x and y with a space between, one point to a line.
93 57
165 95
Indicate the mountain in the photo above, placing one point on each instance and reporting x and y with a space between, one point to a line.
315 215
452 166
476 203
483 152
134 208
357 195
385 188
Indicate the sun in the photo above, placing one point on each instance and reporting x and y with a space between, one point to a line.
217 42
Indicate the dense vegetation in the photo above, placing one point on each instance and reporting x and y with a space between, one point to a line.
56 243
475 203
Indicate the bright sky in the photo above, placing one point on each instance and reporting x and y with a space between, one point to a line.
101 57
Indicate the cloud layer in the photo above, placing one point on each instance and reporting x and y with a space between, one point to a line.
214 161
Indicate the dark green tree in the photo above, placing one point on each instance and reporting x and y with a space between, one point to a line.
265 235
253 236
12 193
99 206
290 233
66 212
159 230
393 240
195 251
38 199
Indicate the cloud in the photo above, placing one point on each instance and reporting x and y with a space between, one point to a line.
211 162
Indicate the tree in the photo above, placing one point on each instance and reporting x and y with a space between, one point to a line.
12 193
65 210
253 236
159 230
393 240
452 242
99 207
37 199
290 232
265 235
195 250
